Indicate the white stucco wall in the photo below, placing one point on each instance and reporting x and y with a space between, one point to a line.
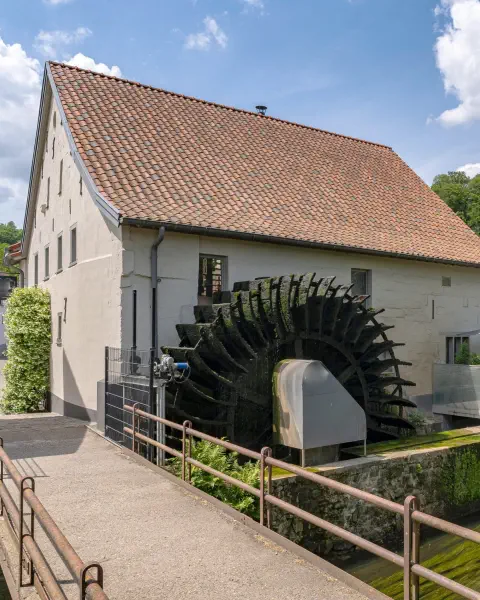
404 288
91 287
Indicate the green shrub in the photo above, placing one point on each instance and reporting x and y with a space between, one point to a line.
465 357
28 332
226 462
417 418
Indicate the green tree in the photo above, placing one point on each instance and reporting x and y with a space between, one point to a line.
9 234
462 194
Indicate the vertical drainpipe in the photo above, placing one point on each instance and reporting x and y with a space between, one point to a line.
154 275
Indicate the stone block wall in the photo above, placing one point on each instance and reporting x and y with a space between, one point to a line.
445 480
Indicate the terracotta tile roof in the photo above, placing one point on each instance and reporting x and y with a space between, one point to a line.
160 156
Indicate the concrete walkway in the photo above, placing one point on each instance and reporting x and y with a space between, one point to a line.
154 539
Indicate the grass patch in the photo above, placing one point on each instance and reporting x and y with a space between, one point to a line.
456 437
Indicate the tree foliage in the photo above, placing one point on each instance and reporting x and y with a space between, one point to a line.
219 459
28 331
462 194
465 357
9 234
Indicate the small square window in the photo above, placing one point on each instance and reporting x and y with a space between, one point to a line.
362 283
446 282
211 278
73 245
453 346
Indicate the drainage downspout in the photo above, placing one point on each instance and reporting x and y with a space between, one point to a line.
154 275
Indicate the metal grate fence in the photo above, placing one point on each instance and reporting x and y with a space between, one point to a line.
128 380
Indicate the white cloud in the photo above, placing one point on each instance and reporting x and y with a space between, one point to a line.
457 51
203 40
470 169
20 84
56 2
85 62
258 4
49 43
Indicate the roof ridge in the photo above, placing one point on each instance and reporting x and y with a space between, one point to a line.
218 105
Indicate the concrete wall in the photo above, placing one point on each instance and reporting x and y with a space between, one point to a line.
90 287
410 291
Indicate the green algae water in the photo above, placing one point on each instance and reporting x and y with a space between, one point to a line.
450 556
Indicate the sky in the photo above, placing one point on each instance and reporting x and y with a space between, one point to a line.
405 73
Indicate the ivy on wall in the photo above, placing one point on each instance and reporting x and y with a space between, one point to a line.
28 332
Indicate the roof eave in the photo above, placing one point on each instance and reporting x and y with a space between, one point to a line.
257 237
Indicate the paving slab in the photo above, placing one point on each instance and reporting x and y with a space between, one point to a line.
154 539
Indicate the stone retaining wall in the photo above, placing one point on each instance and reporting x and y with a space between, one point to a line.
445 480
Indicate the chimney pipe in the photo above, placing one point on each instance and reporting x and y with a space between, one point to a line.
262 110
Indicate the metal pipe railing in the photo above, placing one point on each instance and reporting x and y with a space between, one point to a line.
409 562
90 587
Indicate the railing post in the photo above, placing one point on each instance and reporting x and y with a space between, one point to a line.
269 490
186 424
264 453
83 578
411 550
134 424
21 534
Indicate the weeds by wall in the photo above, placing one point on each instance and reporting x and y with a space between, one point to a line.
226 462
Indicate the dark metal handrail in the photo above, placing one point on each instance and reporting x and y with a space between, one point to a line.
412 516
37 567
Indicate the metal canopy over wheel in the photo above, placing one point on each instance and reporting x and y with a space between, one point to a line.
233 348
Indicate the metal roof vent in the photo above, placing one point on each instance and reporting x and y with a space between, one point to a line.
262 110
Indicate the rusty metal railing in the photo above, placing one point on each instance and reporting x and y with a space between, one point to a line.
31 559
412 516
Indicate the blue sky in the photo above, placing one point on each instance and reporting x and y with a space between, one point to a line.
374 69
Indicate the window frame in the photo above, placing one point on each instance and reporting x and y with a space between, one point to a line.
47 262
73 235
60 178
60 252
35 269
453 344
368 284
59 329
223 276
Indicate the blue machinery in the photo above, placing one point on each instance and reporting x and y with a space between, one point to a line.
165 371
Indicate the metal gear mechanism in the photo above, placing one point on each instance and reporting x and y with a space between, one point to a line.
234 345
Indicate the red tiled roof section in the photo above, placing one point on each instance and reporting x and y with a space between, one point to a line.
160 156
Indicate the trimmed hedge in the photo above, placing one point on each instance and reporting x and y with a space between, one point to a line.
28 332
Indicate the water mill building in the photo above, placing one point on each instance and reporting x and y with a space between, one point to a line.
123 172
